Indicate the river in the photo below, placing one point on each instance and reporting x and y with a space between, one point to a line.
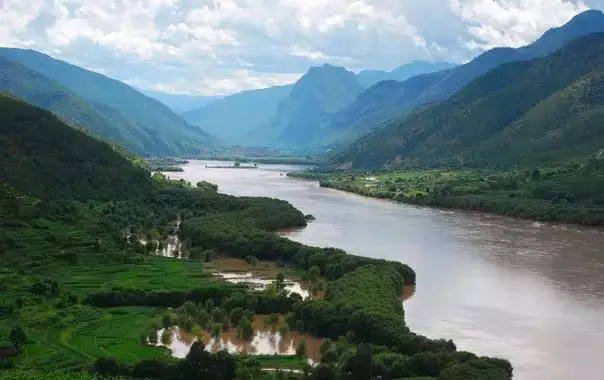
529 292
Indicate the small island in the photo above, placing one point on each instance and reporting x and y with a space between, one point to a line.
236 165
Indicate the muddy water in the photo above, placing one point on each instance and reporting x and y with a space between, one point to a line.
264 342
259 283
530 292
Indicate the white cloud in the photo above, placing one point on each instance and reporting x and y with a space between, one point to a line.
513 22
221 46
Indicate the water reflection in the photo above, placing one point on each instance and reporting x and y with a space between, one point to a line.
258 283
264 342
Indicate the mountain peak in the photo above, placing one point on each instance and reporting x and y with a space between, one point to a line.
590 21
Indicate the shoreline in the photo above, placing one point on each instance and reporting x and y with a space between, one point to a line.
443 204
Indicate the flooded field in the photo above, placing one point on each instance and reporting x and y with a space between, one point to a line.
266 341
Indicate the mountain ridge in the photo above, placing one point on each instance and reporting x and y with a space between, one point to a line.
159 130
438 86
478 120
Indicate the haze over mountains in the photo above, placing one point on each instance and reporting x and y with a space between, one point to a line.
328 107
310 118
545 110
103 106
302 117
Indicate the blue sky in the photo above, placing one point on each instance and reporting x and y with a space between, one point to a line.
216 47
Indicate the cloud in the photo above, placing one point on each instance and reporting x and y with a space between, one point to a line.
221 46
512 22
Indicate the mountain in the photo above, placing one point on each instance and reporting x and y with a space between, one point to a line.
234 117
43 92
43 157
368 78
381 102
156 129
320 92
526 112
181 103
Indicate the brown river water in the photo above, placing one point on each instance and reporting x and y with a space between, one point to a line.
530 292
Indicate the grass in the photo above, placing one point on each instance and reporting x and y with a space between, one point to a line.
156 273
72 338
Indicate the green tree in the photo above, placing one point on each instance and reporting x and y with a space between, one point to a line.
235 315
301 348
313 273
280 282
17 337
284 330
325 346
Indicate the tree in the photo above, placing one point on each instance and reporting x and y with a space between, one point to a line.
245 330
226 325
235 315
313 273
301 349
216 329
284 330
106 367
325 346
167 320
280 282
17 337
361 363
252 260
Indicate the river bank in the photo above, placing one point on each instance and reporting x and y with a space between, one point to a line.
495 267
540 196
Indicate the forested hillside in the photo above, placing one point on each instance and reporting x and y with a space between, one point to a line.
527 112
380 103
43 92
43 157
148 126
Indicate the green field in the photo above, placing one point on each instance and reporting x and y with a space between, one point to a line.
573 193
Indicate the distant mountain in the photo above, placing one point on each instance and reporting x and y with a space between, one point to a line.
528 112
43 92
382 102
43 157
233 118
368 78
181 103
155 128
320 92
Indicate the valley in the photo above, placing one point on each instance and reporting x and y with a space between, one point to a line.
313 218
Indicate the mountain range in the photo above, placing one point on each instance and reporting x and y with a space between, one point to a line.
322 111
368 78
529 112
103 106
300 114
329 107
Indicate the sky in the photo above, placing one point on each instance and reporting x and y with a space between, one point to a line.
218 47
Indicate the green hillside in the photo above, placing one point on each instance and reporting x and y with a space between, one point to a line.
43 92
149 126
380 103
234 118
518 113
43 157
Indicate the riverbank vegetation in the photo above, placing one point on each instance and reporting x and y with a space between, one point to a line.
573 193
85 289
